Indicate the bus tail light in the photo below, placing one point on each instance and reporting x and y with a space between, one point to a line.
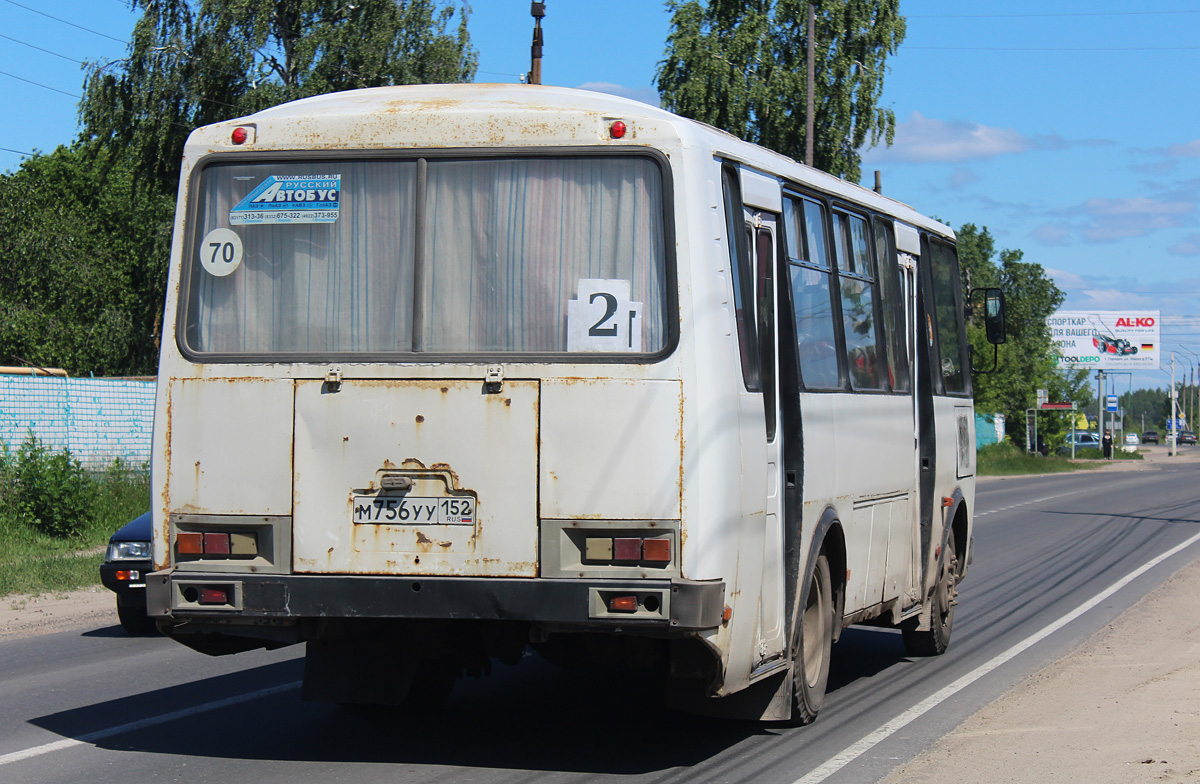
657 550
623 604
189 544
627 549
217 544
218 595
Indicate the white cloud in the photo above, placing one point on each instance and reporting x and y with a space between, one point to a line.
1188 150
644 94
1112 219
1188 246
1052 233
1066 280
963 177
928 140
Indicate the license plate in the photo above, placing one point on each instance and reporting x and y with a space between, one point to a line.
413 510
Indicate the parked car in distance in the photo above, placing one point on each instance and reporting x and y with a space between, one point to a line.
126 564
1132 439
1084 439
1150 437
1187 437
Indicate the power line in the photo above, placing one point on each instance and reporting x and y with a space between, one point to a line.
64 21
1044 16
1055 48
40 49
212 101
18 152
39 84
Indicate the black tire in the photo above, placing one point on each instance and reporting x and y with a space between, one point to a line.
814 646
133 618
935 640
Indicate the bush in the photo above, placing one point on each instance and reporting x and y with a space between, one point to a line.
48 491
1007 459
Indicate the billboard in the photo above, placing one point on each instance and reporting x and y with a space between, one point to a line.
1106 339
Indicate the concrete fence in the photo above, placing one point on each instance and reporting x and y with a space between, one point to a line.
98 420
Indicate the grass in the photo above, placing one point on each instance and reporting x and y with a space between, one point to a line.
1006 459
33 562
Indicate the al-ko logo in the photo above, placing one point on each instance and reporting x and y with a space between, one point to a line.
1146 321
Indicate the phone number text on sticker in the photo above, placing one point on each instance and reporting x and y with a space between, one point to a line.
409 510
290 199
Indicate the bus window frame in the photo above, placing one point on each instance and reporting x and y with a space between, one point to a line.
182 297
742 276
835 294
928 241
881 346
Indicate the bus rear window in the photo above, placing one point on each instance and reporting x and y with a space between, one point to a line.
402 256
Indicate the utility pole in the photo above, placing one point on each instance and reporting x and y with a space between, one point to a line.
538 12
1173 433
810 121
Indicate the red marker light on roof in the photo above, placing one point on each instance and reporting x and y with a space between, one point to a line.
239 136
617 129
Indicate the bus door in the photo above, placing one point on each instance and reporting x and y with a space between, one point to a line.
897 275
920 505
761 230
924 380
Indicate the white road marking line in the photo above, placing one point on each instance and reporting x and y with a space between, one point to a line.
855 750
98 735
1031 501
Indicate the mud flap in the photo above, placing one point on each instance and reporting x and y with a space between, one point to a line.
767 699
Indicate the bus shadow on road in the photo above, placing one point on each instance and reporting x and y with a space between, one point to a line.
529 717
862 653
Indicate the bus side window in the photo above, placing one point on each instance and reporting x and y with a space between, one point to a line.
808 268
743 277
948 318
864 354
892 300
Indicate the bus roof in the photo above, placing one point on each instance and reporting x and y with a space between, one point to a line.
483 115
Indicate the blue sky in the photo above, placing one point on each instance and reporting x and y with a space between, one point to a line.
1070 130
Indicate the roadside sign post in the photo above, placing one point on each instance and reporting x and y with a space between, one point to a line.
1031 417
1111 406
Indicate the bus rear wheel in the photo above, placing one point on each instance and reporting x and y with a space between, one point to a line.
935 640
814 646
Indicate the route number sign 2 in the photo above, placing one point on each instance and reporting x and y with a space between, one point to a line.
603 317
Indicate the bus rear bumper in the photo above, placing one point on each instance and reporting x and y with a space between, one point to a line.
672 605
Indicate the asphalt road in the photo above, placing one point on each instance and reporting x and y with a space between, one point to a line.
103 707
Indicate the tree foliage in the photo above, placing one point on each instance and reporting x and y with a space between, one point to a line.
195 62
1028 360
82 264
741 66
85 232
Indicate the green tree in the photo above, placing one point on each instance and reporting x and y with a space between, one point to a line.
741 66
195 62
1028 360
82 264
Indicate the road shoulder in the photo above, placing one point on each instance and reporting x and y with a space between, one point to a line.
60 611
1124 706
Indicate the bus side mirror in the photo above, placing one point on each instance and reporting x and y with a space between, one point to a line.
993 316
993 313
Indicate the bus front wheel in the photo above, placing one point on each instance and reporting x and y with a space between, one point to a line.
815 646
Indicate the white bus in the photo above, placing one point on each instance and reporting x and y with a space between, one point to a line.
463 369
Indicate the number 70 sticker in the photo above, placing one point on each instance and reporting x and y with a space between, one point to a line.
604 318
221 252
